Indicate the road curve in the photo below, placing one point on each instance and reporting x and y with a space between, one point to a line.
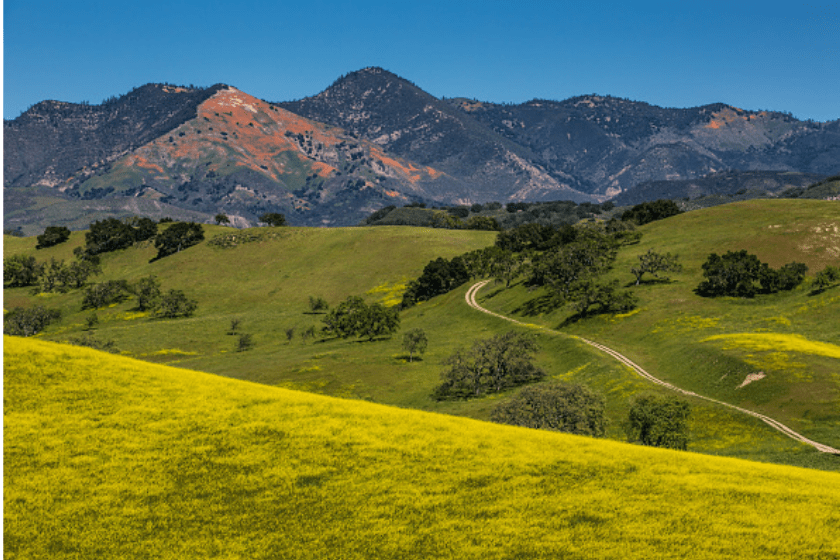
471 301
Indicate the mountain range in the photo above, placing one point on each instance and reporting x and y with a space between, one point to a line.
373 139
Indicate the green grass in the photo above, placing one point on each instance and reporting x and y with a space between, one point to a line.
266 283
109 457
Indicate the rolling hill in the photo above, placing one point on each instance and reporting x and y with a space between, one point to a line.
105 456
263 278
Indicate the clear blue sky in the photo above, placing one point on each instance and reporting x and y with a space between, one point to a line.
781 56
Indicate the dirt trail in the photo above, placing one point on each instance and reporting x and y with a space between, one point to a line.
471 301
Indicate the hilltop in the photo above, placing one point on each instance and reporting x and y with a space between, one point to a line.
111 457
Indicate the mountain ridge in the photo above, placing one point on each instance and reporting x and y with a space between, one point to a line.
409 146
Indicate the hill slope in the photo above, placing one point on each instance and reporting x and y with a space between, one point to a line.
110 457
711 345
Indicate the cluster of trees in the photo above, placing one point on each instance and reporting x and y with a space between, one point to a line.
50 276
491 365
29 321
355 317
647 212
111 234
741 274
653 420
438 277
150 297
177 237
557 406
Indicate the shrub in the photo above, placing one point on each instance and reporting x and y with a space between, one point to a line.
563 407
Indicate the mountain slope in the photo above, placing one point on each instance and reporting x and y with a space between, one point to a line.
407 121
615 143
110 457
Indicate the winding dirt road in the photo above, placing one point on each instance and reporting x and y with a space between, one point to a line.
471 301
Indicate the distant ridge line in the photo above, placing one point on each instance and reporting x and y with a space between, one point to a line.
471 301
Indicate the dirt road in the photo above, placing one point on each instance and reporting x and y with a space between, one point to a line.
471 301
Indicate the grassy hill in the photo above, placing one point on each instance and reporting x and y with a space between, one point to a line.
264 277
710 345
107 456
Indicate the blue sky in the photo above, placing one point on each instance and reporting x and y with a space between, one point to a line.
755 55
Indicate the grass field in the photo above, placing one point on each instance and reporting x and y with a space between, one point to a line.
264 278
109 457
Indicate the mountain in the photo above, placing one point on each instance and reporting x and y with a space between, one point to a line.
228 152
370 140
407 121
614 144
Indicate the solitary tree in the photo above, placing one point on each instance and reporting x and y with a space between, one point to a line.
559 406
353 317
654 263
147 291
222 219
489 366
273 219
659 422
53 235
175 303
415 341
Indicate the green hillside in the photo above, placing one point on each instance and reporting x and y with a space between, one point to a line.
108 457
264 277
710 345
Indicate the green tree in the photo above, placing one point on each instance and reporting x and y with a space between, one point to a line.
647 212
20 271
29 321
741 274
353 317
221 219
826 278
147 291
659 421
53 235
415 340
559 406
653 263
273 219
177 237
489 366
318 304
108 235
53 276
175 303
105 293
244 342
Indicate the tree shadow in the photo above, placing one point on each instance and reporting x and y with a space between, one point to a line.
650 282
537 306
